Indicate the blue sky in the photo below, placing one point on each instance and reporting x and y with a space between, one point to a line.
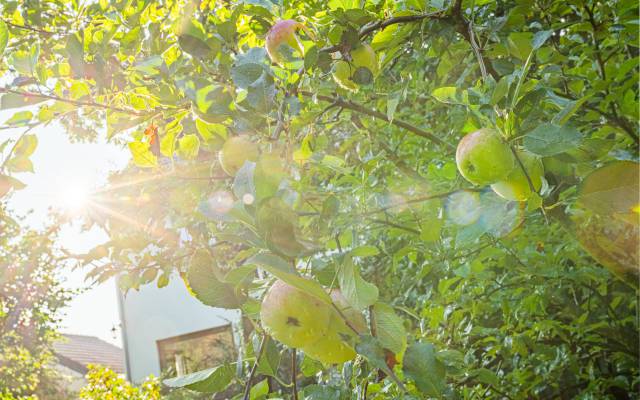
61 168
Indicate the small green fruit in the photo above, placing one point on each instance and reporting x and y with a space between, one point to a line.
293 317
235 152
483 158
516 186
363 65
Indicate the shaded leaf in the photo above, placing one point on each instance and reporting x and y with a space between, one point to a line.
421 364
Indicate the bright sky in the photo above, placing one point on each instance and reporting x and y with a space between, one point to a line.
62 169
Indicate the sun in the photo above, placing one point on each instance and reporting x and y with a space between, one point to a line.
74 197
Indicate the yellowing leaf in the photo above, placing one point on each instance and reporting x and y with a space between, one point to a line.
142 156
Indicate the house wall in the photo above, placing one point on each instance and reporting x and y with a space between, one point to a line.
151 314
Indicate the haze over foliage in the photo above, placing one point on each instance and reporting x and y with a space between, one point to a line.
329 161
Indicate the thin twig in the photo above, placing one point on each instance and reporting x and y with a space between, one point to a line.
348 104
74 102
294 372
247 388
366 30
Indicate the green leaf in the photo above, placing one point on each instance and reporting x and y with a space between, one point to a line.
280 269
270 361
365 251
207 130
487 376
568 111
358 292
20 118
270 260
501 89
244 75
259 390
210 380
421 364
322 392
7 183
202 281
188 146
520 44
142 156
391 332
392 104
26 146
540 38
450 95
372 350
4 37
550 139
611 189
14 100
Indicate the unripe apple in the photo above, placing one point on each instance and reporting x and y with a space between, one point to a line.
516 186
330 350
235 152
282 41
336 345
364 64
483 158
292 316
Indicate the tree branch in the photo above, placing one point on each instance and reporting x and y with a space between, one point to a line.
30 28
378 115
368 29
75 102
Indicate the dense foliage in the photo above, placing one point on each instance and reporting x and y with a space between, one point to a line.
103 383
331 169
30 302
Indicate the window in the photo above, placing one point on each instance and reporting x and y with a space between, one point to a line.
195 351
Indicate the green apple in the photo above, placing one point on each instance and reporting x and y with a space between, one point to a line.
330 349
283 44
364 64
516 186
292 316
484 158
235 152
336 345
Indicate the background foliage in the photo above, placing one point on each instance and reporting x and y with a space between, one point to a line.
496 299
30 300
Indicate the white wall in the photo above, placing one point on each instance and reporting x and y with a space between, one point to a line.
152 314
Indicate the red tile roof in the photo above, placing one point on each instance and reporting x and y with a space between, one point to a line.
77 351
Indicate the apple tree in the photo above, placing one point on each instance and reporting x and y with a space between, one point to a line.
406 199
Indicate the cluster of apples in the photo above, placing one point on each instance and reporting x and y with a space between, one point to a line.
284 46
301 321
483 158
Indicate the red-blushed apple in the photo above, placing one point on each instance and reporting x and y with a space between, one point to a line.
283 44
